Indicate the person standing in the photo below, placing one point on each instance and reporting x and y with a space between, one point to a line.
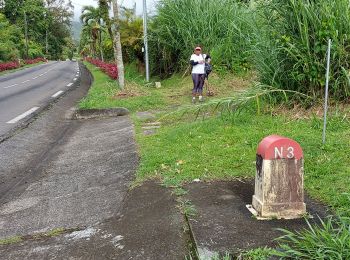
198 61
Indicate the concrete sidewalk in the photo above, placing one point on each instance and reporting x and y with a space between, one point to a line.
64 193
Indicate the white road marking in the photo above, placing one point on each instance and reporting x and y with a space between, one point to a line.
25 114
41 75
75 79
26 81
11 86
57 94
70 84
35 77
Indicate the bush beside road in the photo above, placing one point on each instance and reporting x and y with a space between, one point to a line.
13 66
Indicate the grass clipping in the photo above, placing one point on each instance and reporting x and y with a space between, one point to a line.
131 89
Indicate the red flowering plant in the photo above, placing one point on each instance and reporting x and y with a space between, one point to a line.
9 65
33 61
109 68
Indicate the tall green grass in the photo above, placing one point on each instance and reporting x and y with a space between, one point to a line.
292 41
285 41
329 241
222 27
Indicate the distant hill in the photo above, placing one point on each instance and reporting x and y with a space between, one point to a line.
76 29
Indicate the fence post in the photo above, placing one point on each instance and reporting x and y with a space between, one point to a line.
326 91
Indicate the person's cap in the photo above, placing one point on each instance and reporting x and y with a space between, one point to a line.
198 48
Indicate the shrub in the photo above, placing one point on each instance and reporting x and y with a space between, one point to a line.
33 61
9 65
109 68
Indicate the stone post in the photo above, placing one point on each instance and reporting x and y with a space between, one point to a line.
279 184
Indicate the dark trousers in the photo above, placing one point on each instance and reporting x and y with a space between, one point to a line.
198 83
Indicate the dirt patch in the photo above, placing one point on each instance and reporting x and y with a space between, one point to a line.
131 90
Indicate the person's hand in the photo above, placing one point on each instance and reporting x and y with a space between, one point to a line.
201 62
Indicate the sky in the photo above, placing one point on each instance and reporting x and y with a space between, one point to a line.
127 3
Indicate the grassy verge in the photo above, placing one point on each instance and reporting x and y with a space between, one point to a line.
224 147
20 68
104 94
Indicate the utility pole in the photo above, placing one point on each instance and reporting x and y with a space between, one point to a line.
26 32
145 38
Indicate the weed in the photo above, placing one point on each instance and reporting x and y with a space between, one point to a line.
178 191
187 208
257 254
329 240
11 240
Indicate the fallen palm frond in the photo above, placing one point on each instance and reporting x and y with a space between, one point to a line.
255 97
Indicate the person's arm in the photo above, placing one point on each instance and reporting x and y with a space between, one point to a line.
194 63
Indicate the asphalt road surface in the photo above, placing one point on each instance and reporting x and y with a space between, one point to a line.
26 91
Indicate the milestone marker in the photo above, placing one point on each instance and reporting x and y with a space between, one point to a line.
279 184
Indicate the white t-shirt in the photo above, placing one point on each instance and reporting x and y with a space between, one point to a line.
199 68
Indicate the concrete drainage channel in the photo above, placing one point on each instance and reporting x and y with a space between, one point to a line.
191 242
195 252
98 113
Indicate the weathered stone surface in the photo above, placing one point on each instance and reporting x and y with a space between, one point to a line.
279 184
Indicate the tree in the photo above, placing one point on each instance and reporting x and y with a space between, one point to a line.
131 33
118 46
48 23
92 19
104 9
10 40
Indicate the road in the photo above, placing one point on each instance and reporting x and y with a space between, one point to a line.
26 91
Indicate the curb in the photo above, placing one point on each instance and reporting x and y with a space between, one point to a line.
98 113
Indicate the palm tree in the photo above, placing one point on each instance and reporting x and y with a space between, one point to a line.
92 19
104 6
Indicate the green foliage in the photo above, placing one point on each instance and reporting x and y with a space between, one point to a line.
131 35
91 18
49 17
292 41
97 29
284 41
329 240
257 254
35 50
222 27
10 36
